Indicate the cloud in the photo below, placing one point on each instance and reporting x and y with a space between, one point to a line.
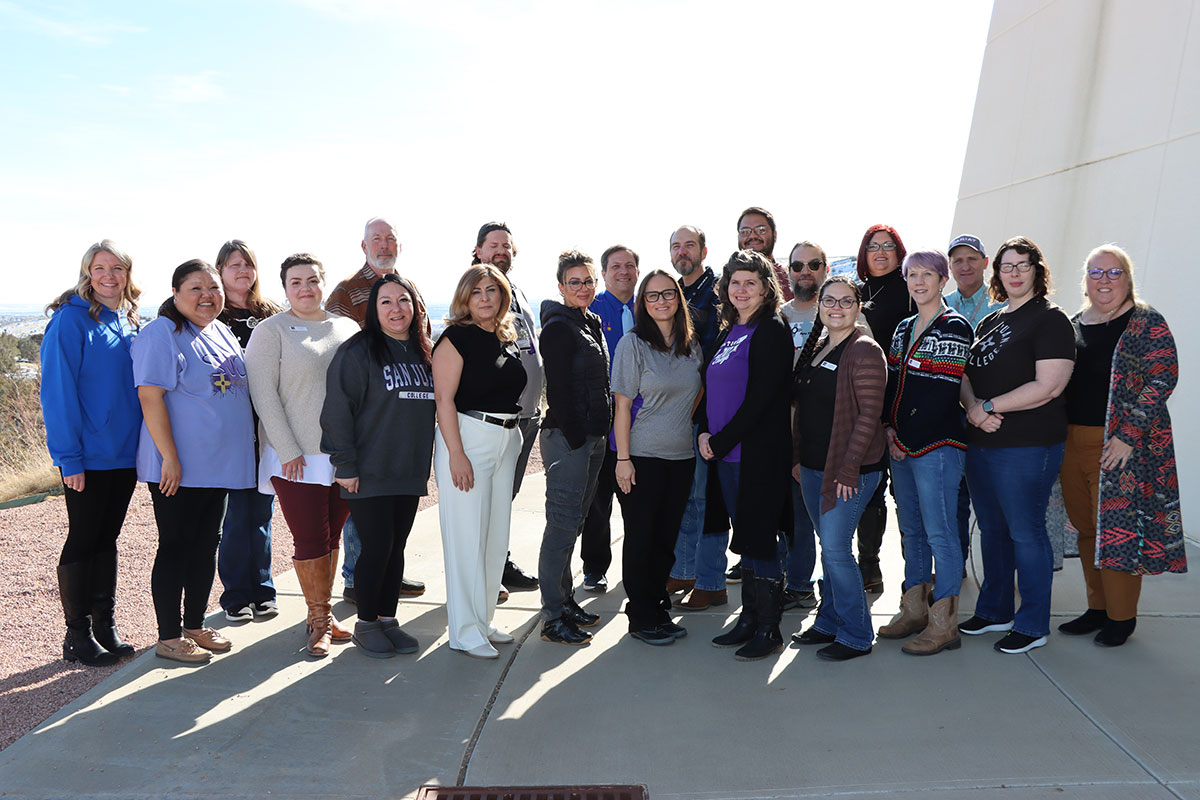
82 30
199 87
123 91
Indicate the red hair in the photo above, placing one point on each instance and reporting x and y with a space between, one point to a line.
861 264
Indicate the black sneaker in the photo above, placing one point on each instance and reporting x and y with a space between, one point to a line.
798 598
655 636
265 609
516 579
595 582
573 612
1015 643
734 575
411 588
1089 621
677 631
813 636
977 625
563 631
840 652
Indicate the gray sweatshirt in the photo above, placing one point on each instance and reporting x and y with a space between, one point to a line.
377 422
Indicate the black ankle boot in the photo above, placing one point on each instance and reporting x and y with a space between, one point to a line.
103 589
870 539
1114 633
79 644
1089 621
742 630
767 639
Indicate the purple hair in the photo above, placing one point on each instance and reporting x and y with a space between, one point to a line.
929 259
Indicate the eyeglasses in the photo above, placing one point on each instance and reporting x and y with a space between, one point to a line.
813 266
665 294
839 302
1020 266
575 284
875 247
761 230
1115 273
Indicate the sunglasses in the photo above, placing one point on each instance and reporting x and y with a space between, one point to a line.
813 266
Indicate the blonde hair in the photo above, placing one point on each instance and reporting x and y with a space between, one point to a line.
83 287
1117 252
460 309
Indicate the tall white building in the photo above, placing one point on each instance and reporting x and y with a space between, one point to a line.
1087 130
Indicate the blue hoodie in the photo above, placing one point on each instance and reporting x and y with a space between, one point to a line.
89 402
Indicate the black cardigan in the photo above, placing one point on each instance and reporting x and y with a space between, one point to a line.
763 427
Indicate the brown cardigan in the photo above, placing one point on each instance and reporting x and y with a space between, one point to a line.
857 434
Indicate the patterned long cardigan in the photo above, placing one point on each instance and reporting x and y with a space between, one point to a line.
1139 529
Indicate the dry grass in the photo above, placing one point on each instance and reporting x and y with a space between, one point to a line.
25 466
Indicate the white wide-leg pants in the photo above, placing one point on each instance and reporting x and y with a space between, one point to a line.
475 526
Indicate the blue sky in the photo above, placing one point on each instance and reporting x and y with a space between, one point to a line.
173 126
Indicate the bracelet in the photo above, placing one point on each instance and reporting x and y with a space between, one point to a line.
624 459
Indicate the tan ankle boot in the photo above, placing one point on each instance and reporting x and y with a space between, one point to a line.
313 574
338 633
914 613
942 631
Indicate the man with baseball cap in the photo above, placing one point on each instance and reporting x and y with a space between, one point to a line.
968 265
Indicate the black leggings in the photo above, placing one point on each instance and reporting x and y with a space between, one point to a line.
652 512
96 514
189 530
383 526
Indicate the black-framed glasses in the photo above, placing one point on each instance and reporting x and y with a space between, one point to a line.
1020 266
813 266
875 247
666 294
575 284
1115 273
761 230
838 302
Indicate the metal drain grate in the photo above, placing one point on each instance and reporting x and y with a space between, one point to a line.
533 793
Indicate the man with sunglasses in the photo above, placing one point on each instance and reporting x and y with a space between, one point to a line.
756 231
614 306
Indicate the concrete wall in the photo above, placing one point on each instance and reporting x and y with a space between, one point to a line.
1087 130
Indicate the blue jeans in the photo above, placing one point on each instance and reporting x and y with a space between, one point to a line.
351 549
843 612
1010 487
697 554
799 559
728 473
244 555
927 509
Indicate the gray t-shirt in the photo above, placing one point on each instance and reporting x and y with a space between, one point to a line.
668 385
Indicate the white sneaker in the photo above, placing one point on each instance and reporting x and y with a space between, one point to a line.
267 608
243 614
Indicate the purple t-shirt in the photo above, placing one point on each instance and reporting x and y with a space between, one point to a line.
208 401
726 380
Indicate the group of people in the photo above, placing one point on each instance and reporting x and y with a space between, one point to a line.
771 401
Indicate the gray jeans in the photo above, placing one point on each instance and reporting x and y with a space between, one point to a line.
529 431
570 485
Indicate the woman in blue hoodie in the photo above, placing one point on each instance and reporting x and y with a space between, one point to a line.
92 419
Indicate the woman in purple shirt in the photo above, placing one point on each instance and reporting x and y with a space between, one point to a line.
746 435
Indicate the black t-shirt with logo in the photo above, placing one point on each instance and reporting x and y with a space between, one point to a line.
1005 355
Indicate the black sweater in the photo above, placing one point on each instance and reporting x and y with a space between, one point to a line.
889 303
575 360
377 422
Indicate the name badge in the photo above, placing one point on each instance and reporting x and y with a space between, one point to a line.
827 365
297 328
914 363
523 343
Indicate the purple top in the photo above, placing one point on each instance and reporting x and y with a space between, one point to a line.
726 380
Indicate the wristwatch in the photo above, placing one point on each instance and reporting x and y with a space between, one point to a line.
988 407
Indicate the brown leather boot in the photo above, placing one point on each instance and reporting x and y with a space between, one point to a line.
700 599
676 585
941 633
914 613
313 574
338 633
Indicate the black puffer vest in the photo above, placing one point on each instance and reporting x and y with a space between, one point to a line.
577 390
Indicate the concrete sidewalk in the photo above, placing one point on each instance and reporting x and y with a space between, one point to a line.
1068 720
